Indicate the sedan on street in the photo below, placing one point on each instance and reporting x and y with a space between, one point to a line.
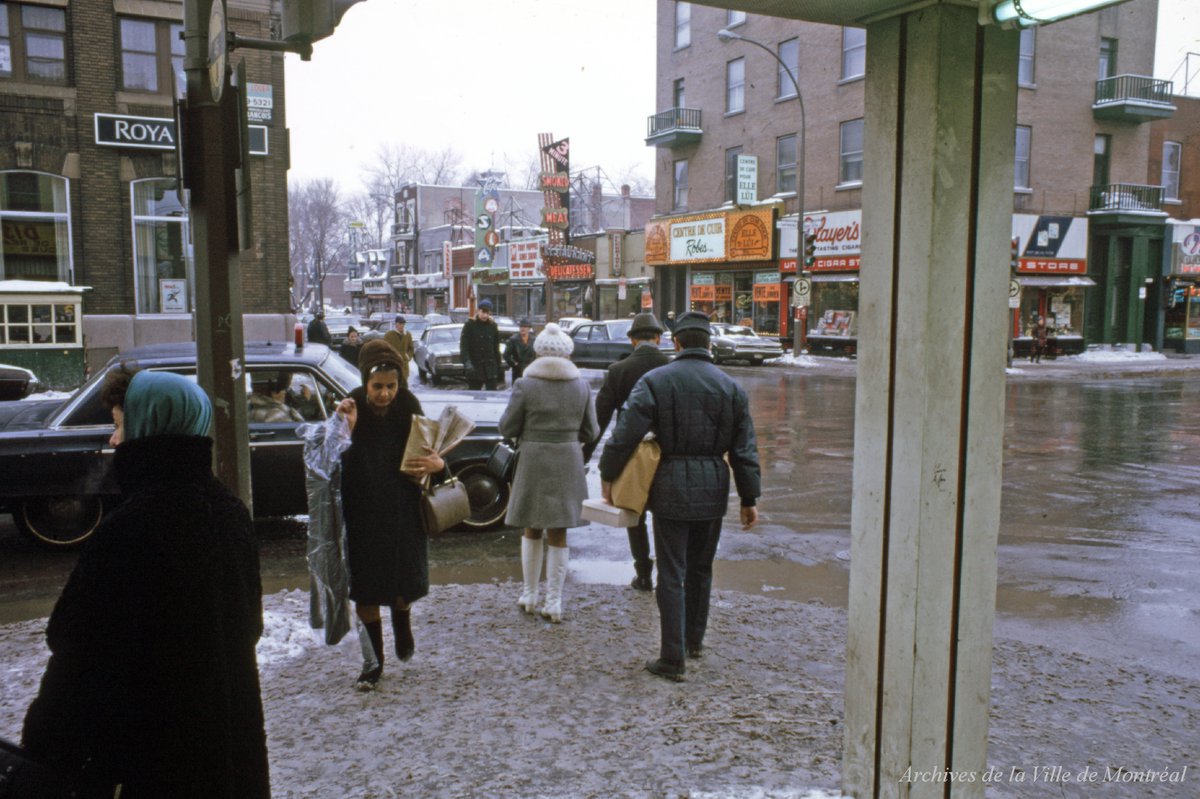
55 458
740 343
599 345
438 356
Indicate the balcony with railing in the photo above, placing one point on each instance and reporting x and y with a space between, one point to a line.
674 127
1126 199
1133 98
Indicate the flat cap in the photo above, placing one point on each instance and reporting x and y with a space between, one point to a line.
692 320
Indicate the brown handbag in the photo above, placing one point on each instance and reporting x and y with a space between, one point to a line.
443 506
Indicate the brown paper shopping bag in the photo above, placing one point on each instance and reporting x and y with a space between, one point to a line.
632 488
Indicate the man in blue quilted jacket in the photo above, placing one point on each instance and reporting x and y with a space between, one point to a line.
700 417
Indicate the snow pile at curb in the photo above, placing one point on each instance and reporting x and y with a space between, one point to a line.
803 361
1115 356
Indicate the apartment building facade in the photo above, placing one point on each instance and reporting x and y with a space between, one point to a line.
1088 227
89 189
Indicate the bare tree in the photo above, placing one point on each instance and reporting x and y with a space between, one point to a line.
397 164
317 228
374 207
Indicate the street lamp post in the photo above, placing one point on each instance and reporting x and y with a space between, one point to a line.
727 35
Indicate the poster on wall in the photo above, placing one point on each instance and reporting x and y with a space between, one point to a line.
172 296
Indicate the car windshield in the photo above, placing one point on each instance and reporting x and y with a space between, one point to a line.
443 336
342 321
346 375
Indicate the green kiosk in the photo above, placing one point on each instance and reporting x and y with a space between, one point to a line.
41 330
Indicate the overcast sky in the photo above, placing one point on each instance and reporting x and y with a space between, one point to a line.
486 76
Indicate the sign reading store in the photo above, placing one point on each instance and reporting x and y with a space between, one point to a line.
155 133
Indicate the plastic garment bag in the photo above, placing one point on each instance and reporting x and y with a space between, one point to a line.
329 578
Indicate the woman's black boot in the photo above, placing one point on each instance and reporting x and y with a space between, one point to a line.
402 628
370 676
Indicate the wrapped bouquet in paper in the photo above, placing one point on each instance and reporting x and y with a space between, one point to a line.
441 435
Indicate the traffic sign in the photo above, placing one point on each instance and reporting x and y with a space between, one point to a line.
1014 293
801 291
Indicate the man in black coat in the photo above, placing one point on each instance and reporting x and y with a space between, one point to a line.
701 417
480 348
518 351
645 334
318 331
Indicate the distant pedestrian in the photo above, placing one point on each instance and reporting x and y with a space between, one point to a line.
645 334
479 345
318 331
1040 334
152 682
386 547
518 351
402 342
551 414
351 346
701 418
670 321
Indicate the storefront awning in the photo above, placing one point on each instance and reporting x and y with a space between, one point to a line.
842 278
1050 281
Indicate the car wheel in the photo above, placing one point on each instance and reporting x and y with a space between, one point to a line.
422 375
488 495
434 378
60 522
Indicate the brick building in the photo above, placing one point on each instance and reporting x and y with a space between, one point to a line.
88 169
1175 164
1088 228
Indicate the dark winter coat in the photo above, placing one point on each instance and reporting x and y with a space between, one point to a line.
699 415
519 354
386 546
480 348
403 344
318 333
152 678
349 353
619 381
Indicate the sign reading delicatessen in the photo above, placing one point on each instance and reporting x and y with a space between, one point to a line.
720 236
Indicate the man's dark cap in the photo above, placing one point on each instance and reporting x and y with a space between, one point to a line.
692 320
524 323
645 323
485 305
399 320
351 329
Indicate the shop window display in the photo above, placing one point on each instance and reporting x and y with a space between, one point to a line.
835 309
1182 318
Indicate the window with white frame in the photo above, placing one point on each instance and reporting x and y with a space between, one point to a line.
1021 161
1172 152
735 86
680 188
683 24
33 43
851 152
45 321
785 164
162 251
1025 57
789 60
854 53
734 17
152 56
36 223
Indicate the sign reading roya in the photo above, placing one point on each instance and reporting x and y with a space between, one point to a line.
720 236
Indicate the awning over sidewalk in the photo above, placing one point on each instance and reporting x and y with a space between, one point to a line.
837 278
1052 281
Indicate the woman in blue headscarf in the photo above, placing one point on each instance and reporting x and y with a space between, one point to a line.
152 682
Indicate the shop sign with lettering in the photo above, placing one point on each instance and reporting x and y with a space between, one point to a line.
569 253
259 102
1050 244
147 133
700 239
656 238
489 277
1185 248
750 236
24 237
557 272
747 179
525 260
554 181
555 217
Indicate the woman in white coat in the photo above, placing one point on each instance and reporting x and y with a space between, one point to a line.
551 415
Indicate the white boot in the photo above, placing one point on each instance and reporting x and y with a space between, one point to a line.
531 570
556 575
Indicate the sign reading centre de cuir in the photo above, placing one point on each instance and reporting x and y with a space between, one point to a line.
700 238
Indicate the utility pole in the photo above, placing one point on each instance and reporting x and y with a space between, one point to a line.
211 143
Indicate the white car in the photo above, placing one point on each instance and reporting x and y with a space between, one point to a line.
569 323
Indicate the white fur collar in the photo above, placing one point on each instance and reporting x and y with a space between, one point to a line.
552 367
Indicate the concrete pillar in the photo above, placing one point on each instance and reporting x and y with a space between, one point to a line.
937 207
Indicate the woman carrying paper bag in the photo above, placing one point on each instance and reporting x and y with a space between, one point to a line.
552 413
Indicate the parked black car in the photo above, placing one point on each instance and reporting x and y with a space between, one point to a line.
599 345
55 458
